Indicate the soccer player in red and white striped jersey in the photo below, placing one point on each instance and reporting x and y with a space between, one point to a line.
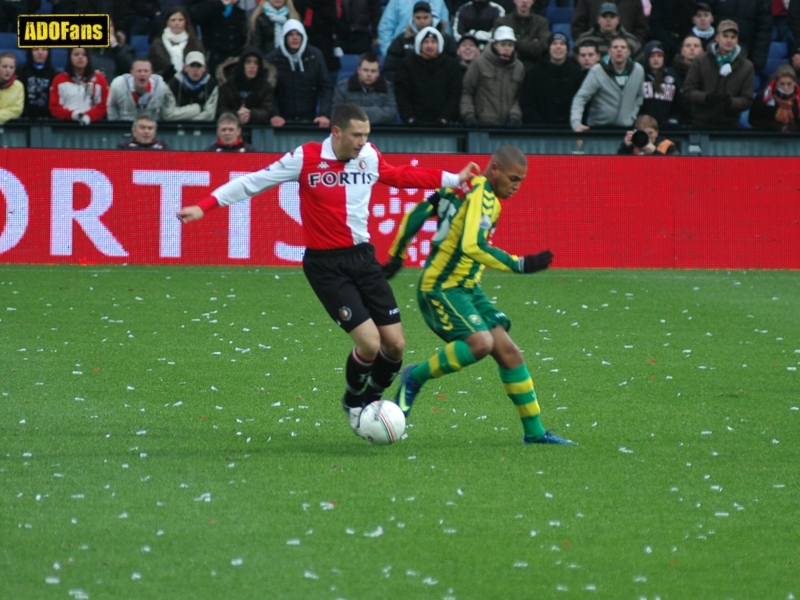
336 179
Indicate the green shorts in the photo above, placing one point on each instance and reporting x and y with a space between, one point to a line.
456 313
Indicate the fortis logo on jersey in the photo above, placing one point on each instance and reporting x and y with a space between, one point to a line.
63 31
331 179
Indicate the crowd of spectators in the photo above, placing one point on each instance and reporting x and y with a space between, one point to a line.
654 65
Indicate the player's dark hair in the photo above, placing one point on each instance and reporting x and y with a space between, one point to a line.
344 113
507 154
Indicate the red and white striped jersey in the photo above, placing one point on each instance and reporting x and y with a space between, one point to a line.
334 194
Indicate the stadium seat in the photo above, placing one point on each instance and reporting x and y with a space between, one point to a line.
744 120
558 14
58 58
20 54
46 9
140 45
772 66
778 50
349 64
8 41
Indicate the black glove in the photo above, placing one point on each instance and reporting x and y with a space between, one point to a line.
514 123
391 268
728 102
471 122
714 99
536 262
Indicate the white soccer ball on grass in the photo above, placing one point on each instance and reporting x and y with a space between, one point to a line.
382 422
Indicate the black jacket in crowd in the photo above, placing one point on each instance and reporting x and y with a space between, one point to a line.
325 29
298 92
256 94
547 91
37 88
671 21
428 90
663 104
223 36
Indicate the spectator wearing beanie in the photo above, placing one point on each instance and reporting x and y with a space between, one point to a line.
662 97
703 20
396 15
720 82
490 93
403 44
428 84
549 87
468 50
607 28
631 14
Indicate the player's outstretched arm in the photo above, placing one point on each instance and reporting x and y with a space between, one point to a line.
468 172
190 213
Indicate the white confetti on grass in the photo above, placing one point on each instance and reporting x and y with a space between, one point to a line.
237 562
293 542
377 532
310 575
52 580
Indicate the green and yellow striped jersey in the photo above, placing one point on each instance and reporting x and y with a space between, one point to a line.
461 248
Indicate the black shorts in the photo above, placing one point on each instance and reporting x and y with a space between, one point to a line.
351 287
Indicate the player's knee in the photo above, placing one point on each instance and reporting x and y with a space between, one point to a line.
480 344
394 347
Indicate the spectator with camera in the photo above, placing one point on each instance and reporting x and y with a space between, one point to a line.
606 28
662 97
720 82
490 90
548 88
776 108
614 88
644 140
428 83
531 30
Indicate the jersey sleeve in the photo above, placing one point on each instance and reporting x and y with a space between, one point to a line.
407 176
287 168
410 225
474 238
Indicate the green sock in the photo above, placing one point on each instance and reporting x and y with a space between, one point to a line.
453 357
519 387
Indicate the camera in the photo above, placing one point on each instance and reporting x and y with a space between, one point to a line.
640 138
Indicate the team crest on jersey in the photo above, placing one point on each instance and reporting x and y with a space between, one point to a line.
323 165
474 319
486 222
362 164
345 314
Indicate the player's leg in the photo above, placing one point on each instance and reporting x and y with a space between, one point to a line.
377 296
451 315
518 385
328 273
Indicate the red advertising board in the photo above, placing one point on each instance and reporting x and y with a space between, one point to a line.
93 207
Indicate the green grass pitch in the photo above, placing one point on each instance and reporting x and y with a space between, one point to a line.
176 433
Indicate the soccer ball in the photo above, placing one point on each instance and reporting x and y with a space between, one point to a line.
382 422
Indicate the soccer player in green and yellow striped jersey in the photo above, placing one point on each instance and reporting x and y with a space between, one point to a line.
450 297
